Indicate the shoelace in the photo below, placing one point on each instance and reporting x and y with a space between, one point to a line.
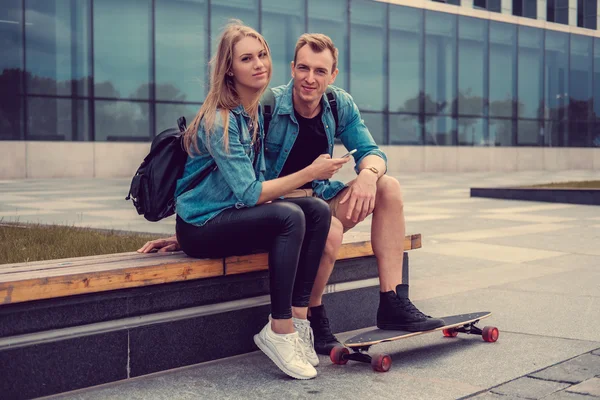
325 331
297 343
410 308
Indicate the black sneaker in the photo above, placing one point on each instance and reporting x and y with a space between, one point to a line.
324 339
397 312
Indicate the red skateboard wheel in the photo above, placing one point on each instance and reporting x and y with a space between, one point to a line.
381 362
490 334
337 355
450 332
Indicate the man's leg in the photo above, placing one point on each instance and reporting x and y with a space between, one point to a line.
332 247
395 310
324 339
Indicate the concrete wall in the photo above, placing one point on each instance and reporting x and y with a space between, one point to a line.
20 160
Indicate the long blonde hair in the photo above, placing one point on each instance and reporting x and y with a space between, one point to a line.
222 95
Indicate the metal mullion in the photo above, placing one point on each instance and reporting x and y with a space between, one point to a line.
74 113
348 55
305 15
24 73
386 65
208 42
454 106
92 103
152 102
515 113
422 77
543 86
260 9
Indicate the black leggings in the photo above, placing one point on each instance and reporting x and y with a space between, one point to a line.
293 231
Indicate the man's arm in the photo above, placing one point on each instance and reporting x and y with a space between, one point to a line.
161 245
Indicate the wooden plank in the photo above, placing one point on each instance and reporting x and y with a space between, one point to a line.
110 266
73 284
96 260
66 277
354 246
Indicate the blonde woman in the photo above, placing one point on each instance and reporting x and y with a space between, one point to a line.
234 211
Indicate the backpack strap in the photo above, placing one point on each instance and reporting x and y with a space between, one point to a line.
333 105
267 101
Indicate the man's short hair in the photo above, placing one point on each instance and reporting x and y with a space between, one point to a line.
318 43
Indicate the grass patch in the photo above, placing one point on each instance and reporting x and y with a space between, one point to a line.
29 242
568 185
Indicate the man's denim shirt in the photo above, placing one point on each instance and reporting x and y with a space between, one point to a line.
237 181
283 131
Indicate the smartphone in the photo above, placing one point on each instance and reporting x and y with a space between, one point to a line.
348 154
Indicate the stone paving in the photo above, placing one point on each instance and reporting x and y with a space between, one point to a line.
536 266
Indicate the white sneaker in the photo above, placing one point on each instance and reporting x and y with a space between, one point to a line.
285 350
308 340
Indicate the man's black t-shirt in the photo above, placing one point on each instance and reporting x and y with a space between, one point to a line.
310 143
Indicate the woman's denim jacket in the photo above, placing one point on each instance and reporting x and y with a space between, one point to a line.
283 131
237 180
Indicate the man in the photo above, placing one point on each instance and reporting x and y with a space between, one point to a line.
302 128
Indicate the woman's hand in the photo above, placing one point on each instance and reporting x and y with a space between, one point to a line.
324 167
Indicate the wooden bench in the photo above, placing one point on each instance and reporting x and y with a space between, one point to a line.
66 277
79 322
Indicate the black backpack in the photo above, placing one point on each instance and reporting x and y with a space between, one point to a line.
152 188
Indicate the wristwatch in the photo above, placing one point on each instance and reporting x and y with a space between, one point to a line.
373 170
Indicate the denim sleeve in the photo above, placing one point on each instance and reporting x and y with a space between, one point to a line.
233 163
353 131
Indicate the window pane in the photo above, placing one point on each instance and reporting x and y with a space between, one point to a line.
368 39
57 37
555 133
578 133
282 24
57 119
181 49
406 24
405 129
374 122
473 132
557 76
494 5
472 65
501 132
595 133
596 94
440 130
530 8
530 133
503 68
11 67
440 56
123 121
530 71
581 77
122 49
11 44
331 18
167 114
222 11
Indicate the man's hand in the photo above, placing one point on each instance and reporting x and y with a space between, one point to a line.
361 196
162 245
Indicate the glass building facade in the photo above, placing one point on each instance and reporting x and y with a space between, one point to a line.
124 70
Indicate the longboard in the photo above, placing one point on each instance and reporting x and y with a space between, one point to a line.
360 344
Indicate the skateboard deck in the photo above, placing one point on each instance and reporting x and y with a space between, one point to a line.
360 344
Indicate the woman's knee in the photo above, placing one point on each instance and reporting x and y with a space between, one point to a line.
288 215
318 211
